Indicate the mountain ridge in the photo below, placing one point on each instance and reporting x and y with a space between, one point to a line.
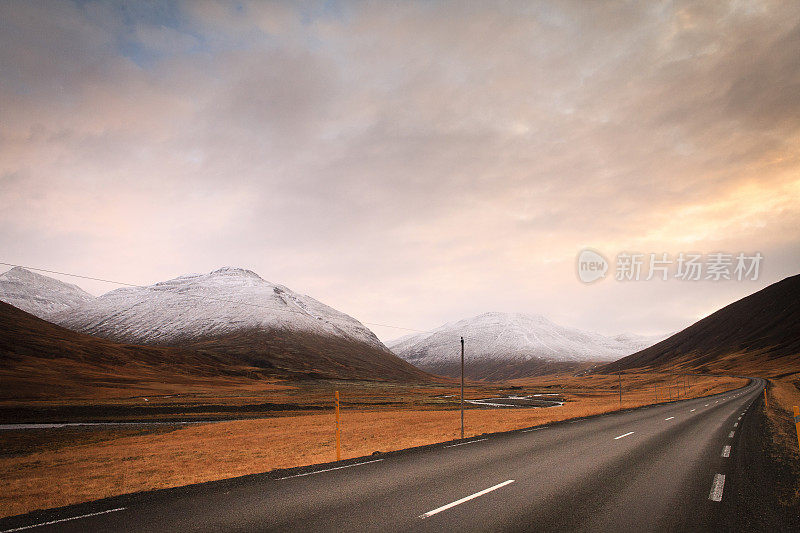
196 306
234 313
506 345
48 297
757 333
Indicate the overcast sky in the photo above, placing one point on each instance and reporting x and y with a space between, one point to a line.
408 164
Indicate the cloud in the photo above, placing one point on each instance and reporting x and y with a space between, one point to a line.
409 163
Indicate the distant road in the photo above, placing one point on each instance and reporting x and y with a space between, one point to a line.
669 467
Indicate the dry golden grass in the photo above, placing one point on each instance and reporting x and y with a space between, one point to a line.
76 472
782 395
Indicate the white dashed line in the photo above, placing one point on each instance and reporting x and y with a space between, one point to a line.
731 435
706 405
465 499
624 435
726 451
692 411
716 488
330 469
63 520
670 418
463 443
736 424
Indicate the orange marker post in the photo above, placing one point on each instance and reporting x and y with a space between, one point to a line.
338 432
766 403
797 423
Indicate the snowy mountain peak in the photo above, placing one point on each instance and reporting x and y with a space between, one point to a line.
40 295
505 338
503 323
225 301
233 272
20 274
220 276
509 318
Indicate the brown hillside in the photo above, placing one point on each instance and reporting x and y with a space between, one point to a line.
759 334
39 359
308 355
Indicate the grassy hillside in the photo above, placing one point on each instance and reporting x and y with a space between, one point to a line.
40 360
757 335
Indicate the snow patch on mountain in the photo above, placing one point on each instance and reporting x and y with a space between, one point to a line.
39 295
198 306
508 337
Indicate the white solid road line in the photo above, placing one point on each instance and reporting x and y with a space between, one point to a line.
465 499
532 429
716 488
731 435
63 520
463 443
726 451
625 435
670 418
330 469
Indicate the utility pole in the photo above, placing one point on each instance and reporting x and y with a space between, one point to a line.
619 375
462 387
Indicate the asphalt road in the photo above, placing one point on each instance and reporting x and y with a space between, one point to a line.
662 468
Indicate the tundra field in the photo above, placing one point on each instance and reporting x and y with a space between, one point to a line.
261 426
783 393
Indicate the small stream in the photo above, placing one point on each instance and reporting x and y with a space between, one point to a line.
516 402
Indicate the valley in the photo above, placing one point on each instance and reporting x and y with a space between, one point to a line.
168 385
89 462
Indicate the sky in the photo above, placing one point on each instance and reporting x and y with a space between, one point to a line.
408 163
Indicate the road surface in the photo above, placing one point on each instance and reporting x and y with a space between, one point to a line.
668 467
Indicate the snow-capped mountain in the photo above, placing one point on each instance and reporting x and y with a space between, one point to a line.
39 295
224 321
517 343
200 306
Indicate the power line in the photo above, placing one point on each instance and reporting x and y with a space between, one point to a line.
198 296
74 275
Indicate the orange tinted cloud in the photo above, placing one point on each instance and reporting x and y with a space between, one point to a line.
411 163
